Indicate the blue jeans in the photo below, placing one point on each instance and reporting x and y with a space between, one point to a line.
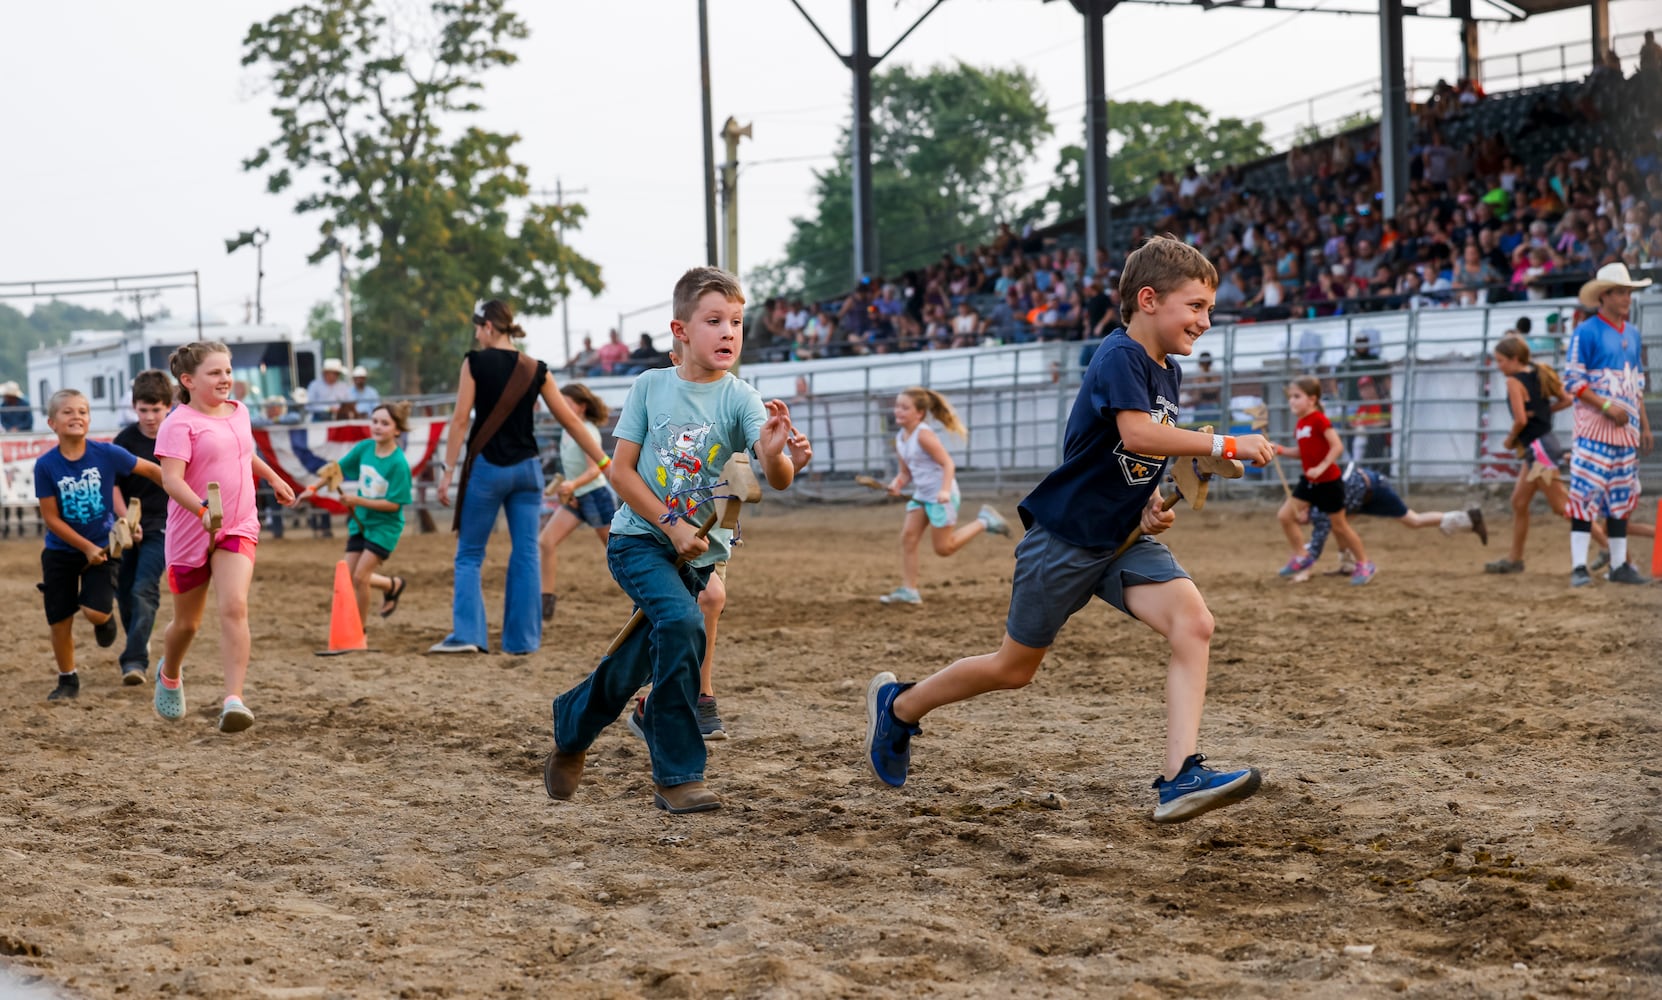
666 649
490 488
137 593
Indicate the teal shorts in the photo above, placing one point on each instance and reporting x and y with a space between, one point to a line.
941 515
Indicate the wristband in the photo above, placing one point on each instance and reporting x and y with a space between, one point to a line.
1223 446
1582 391
1606 407
1217 445
605 460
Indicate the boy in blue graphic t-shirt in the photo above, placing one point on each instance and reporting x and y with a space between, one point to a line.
75 483
675 432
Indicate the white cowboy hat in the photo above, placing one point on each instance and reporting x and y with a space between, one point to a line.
360 372
1609 276
10 389
334 365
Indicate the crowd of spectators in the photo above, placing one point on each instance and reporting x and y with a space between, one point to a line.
1307 235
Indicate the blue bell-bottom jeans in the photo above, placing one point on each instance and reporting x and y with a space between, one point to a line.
666 650
516 489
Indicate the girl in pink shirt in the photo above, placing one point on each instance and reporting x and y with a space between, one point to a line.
209 440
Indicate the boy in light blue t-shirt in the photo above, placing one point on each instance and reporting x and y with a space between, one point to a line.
676 430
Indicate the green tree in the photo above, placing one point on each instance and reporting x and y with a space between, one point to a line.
372 115
948 146
324 326
47 325
1144 139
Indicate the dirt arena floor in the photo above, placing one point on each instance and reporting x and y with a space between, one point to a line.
1461 793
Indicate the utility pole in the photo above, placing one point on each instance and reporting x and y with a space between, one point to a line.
345 308
560 193
732 131
255 238
709 134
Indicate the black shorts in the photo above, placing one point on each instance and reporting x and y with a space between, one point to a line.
358 543
69 584
1328 497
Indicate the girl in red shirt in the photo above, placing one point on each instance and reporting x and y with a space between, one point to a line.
1322 484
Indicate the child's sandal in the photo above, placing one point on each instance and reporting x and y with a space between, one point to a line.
389 604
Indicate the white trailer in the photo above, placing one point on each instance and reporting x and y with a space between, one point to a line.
270 360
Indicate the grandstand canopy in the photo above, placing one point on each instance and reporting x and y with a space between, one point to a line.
1479 10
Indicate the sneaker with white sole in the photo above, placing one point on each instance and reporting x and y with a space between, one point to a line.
995 522
453 647
1297 564
234 716
1364 572
1579 577
169 703
635 721
1199 789
902 595
888 740
709 719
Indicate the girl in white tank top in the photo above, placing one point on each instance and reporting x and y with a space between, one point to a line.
927 467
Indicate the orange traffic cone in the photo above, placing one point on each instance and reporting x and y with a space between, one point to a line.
346 629
1656 544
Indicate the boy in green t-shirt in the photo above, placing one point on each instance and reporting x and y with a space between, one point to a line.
375 513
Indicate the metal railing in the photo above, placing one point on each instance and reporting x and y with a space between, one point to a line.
1442 409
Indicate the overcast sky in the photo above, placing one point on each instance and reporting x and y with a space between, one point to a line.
125 123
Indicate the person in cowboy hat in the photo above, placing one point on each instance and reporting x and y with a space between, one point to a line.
1603 371
329 390
15 414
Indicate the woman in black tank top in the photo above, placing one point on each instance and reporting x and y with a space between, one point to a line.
505 475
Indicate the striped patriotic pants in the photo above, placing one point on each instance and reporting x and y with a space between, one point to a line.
1604 480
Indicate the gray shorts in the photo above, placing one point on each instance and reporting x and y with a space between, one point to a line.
1054 579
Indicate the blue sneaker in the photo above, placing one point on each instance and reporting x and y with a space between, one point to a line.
1198 789
888 740
169 702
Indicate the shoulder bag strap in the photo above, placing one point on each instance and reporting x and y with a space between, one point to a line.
519 382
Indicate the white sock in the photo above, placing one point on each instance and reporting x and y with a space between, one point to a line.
1579 543
1618 552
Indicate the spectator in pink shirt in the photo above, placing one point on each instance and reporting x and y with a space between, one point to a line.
613 354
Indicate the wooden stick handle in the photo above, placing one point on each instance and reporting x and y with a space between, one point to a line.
1283 474
639 616
1138 532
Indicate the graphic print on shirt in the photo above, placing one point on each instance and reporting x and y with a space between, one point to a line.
1140 470
371 484
81 500
687 468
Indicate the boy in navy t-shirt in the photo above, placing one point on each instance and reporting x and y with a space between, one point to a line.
1118 435
75 483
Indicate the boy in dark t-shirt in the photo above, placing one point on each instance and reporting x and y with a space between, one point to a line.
75 483
138 582
1120 430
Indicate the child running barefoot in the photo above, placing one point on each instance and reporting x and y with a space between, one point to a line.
75 483
584 497
1121 427
375 513
209 440
1321 485
926 464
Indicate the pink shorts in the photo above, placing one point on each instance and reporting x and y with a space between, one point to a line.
184 579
